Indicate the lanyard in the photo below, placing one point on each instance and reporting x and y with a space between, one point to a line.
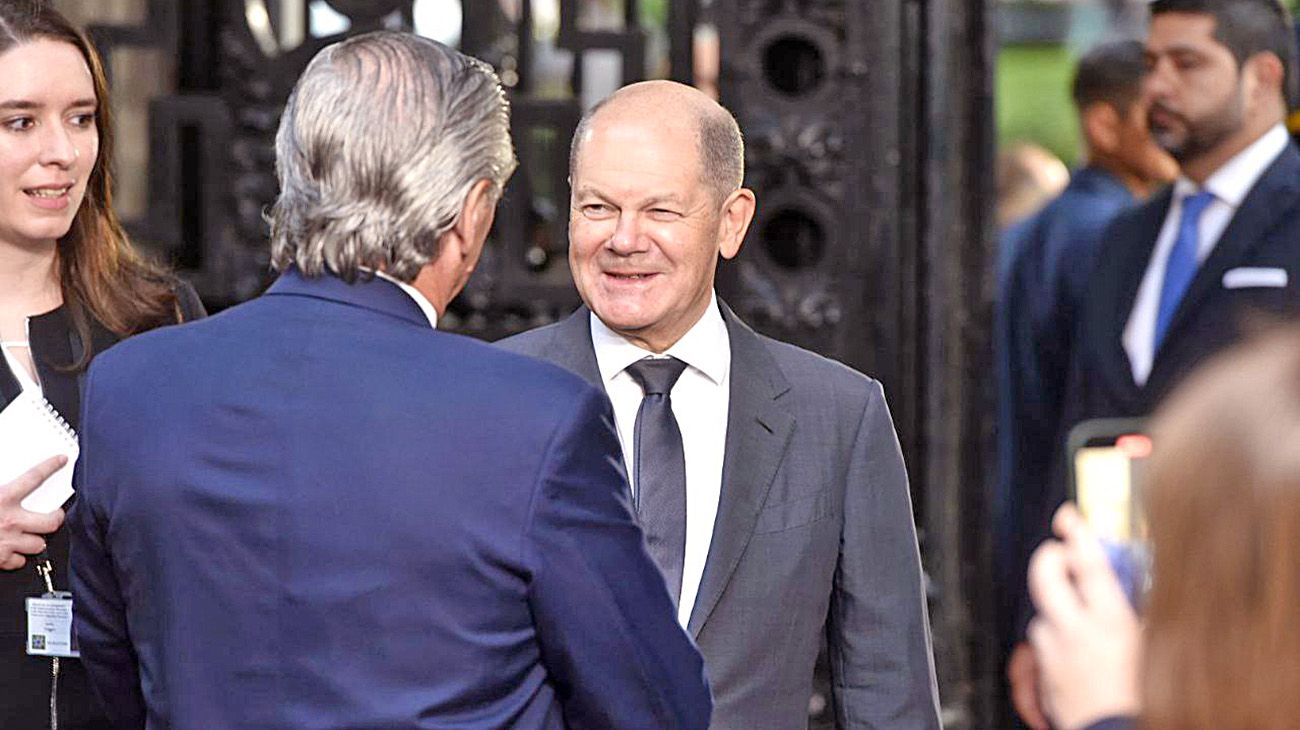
46 570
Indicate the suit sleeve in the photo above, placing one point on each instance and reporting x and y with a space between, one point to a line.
1022 439
99 612
878 633
606 624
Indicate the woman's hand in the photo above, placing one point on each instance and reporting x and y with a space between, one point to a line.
1085 635
21 532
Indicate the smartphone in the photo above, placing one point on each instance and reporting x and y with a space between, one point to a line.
1107 459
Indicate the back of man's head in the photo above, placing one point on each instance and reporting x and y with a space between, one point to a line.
382 139
1110 73
1247 27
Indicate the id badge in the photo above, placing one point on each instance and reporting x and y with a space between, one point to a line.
49 626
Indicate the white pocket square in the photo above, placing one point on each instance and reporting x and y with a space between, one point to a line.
1245 277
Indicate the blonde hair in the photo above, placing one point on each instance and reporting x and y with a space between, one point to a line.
1223 496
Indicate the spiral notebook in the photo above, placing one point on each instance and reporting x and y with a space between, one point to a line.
31 431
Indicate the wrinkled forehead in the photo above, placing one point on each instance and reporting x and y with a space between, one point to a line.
635 160
631 139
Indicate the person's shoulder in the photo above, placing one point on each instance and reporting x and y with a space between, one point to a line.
1141 220
532 342
519 362
813 375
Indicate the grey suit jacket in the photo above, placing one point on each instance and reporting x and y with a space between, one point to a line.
814 537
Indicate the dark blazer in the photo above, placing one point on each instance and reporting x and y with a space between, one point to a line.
25 700
1044 263
315 511
1265 232
814 538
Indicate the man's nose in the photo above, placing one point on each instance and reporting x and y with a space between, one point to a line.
1156 84
627 236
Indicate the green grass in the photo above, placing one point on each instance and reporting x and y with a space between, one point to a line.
1032 95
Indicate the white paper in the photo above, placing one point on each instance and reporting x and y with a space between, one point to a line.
30 432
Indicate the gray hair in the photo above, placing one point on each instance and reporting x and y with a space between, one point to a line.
721 145
382 139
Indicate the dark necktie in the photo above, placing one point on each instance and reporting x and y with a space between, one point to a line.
1182 264
659 468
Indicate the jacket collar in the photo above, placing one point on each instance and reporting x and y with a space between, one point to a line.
373 293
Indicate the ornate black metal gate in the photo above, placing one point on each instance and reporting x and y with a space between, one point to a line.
869 135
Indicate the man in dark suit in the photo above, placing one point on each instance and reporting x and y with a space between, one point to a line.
1184 275
769 480
316 511
1044 264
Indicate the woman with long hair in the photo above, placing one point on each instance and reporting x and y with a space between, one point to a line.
70 286
1219 645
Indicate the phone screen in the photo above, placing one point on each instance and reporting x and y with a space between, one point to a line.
1108 486
1109 461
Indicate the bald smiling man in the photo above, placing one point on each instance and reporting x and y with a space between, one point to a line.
768 480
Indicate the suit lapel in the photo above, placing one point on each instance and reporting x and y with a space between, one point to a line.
1268 203
758 432
571 347
1114 287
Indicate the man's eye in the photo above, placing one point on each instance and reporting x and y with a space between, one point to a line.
596 209
664 214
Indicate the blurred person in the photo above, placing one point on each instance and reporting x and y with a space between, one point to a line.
769 480
1177 276
1217 649
317 511
71 286
1028 176
1042 287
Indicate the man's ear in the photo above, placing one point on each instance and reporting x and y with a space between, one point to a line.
1101 123
478 211
459 248
1268 71
737 214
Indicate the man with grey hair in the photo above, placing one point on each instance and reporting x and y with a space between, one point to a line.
316 511
768 480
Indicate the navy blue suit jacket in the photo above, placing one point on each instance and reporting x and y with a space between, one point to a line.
1042 279
314 511
1264 232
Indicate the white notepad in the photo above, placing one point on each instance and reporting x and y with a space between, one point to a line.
31 431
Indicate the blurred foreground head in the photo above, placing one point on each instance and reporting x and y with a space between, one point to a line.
1223 498
388 143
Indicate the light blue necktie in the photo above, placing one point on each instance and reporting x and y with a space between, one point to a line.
1182 264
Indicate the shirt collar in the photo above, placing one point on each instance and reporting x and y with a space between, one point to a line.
1231 182
420 300
705 347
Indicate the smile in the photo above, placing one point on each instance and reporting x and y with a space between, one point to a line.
49 193
50 198
628 277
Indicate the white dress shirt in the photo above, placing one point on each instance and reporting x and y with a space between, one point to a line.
420 300
1229 184
700 400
